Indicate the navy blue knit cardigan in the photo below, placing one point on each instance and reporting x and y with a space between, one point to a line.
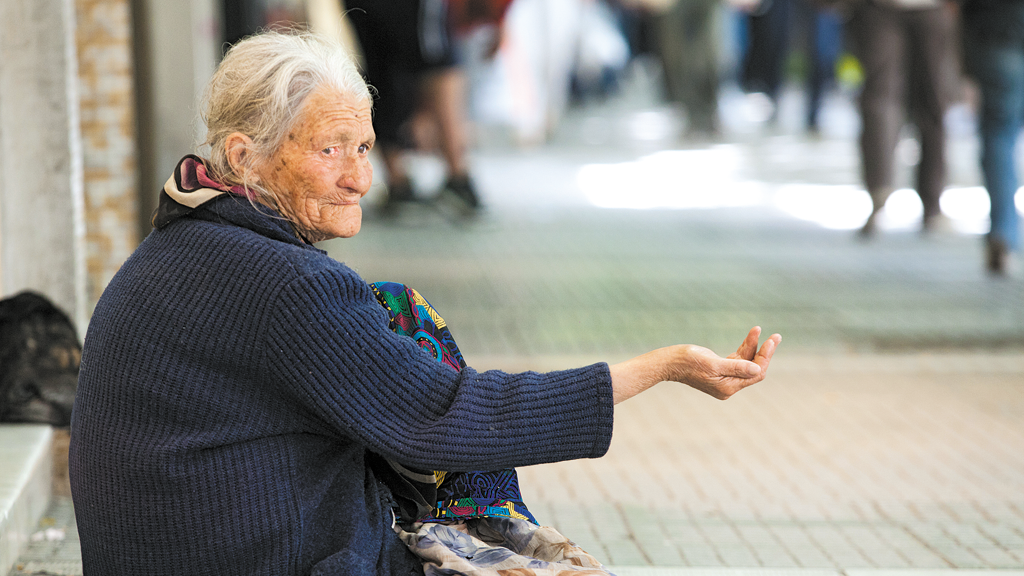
232 381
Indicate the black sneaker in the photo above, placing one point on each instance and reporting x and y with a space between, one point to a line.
997 259
870 227
398 194
461 189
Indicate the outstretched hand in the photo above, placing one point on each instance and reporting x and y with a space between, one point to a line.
697 367
723 377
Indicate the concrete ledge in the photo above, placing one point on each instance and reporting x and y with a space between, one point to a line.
689 571
931 572
26 470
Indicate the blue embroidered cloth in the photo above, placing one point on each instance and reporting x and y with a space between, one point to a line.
454 495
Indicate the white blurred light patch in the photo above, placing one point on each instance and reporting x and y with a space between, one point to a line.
674 179
653 126
700 179
968 208
903 210
839 207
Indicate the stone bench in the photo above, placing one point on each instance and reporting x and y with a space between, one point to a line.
26 485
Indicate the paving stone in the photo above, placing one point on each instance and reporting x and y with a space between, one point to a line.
928 562
661 553
704 557
777 558
738 556
625 553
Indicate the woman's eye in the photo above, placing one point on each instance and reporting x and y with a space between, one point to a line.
364 148
330 150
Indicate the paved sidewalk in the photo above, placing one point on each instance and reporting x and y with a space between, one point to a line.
842 462
54 549
889 435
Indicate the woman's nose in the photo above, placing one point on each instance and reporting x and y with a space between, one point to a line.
358 177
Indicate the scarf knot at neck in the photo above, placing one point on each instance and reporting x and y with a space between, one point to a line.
189 187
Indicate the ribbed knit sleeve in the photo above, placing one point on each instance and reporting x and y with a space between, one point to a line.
328 344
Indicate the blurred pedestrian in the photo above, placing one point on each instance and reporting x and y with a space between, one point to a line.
243 18
769 27
240 18
824 44
993 38
409 59
771 24
603 50
689 46
906 50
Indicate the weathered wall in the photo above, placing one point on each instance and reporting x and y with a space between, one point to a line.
42 225
106 103
73 205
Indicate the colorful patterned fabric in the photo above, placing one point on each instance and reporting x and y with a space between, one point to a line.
497 547
458 495
478 494
413 316
480 526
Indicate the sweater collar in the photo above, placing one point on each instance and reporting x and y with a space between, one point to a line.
188 188
191 192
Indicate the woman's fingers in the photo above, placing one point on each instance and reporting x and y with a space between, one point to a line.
740 373
739 368
764 356
748 347
733 376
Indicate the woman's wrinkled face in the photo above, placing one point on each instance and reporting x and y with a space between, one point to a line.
322 169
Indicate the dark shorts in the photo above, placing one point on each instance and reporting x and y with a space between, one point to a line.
401 40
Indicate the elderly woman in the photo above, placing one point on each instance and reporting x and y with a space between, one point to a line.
237 385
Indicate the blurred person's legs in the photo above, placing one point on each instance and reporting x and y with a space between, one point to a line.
881 48
825 38
764 68
410 60
445 98
389 40
548 34
688 39
995 58
241 18
931 36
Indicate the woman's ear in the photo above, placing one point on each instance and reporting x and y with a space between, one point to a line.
237 147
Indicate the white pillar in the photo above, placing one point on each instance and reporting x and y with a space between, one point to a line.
42 225
177 47
184 50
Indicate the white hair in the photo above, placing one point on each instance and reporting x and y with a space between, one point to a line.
259 89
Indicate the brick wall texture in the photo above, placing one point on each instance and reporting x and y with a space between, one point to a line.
103 40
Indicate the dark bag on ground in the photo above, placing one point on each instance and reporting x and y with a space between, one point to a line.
39 358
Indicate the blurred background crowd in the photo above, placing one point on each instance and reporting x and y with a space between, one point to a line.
898 77
721 68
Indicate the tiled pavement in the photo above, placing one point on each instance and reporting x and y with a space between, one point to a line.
889 434
54 549
841 462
